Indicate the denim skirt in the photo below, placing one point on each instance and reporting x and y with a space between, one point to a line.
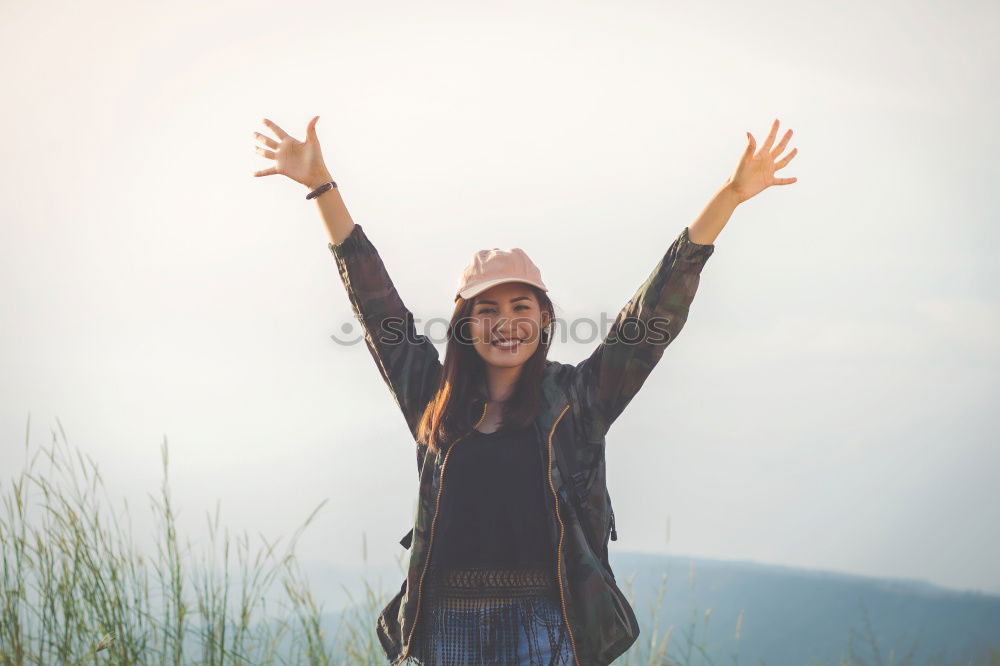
495 617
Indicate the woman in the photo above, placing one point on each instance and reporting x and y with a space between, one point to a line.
510 565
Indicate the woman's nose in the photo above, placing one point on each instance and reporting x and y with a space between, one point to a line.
506 326
513 328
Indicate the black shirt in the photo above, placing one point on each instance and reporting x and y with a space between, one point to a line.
493 506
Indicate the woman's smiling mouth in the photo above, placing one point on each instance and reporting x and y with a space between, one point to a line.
504 344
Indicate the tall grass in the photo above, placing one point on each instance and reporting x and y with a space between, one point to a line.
76 590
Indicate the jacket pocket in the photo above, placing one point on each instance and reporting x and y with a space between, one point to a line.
615 628
626 615
387 628
606 535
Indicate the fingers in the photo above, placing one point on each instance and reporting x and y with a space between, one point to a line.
266 140
770 137
311 129
784 181
282 134
785 160
781 146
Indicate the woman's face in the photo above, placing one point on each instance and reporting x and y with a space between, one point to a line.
506 312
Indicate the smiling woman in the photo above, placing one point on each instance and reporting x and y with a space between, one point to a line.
493 569
499 337
511 567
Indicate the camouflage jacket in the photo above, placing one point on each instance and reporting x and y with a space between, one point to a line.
580 402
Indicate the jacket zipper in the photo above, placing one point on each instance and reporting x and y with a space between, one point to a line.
430 542
562 530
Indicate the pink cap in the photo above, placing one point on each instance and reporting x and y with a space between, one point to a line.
492 267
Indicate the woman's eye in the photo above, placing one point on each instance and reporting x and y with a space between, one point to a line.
517 307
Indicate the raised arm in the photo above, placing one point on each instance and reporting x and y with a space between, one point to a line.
407 362
611 376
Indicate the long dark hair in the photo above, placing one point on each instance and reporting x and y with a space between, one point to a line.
455 407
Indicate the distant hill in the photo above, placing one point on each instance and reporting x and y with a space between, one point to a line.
791 616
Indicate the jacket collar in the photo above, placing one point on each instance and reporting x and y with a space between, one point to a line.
553 397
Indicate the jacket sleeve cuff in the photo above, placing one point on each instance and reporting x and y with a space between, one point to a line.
690 251
355 242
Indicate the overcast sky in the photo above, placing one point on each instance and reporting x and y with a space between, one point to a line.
831 402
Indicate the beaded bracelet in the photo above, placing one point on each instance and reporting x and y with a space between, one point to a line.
321 189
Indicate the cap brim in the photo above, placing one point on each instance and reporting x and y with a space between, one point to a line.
479 288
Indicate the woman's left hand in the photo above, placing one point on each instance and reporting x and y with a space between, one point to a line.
755 173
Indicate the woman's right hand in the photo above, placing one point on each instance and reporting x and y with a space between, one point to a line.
302 161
